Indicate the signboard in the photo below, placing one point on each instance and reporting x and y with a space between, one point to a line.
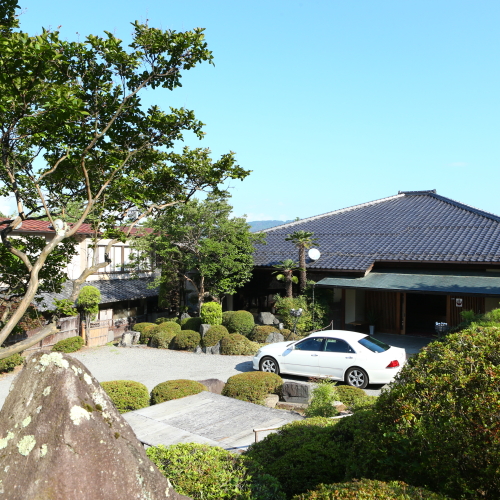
459 302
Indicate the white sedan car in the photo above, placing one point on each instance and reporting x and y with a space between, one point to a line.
355 358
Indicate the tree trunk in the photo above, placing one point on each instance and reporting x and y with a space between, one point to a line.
288 283
302 264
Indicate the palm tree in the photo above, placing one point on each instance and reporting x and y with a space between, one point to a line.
302 240
285 272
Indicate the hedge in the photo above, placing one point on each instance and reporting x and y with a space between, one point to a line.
241 322
163 339
253 386
238 345
367 489
226 316
186 340
127 395
191 324
205 472
261 332
145 330
8 364
175 389
214 334
71 344
211 313
353 397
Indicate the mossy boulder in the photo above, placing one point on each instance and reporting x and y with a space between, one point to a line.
127 395
186 340
253 386
191 324
214 334
71 344
175 389
241 322
8 364
238 345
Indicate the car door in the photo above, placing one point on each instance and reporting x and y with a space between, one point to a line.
336 358
303 359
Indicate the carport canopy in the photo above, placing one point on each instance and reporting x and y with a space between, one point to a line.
453 282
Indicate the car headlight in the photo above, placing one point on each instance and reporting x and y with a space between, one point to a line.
258 352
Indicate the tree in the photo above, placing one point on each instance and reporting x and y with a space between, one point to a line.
73 129
302 240
286 268
204 245
88 302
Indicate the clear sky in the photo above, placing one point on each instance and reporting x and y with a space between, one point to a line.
330 103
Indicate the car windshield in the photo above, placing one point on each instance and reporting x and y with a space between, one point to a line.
373 344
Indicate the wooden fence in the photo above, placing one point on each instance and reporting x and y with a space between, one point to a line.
98 332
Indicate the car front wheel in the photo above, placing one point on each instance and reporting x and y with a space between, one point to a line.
269 365
356 377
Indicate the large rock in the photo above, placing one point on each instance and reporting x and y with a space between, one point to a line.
214 349
274 337
266 318
204 329
61 438
213 385
296 392
129 338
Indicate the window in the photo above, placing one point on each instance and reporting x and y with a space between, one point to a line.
374 345
337 345
311 344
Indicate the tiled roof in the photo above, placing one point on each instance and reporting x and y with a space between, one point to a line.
410 226
111 291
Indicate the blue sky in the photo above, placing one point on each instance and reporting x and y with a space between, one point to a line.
330 103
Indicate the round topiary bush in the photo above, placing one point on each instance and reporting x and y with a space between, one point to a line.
161 320
211 313
71 344
205 472
144 329
351 396
8 364
226 316
163 339
238 345
186 340
164 332
214 334
191 324
367 489
289 335
241 322
127 395
175 389
260 332
253 386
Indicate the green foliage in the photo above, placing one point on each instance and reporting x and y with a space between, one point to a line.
226 316
283 307
88 301
191 324
289 335
161 320
65 307
127 395
162 339
146 331
186 340
205 472
214 334
260 333
8 364
175 389
211 313
71 344
353 397
285 270
323 397
302 454
367 489
241 322
253 386
238 345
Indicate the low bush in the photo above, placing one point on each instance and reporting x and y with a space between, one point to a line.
71 344
238 345
210 473
226 317
144 329
261 332
191 324
186 340
8 364
175 389
252 386
367 489
211 313
127 395
214 334
289 335
241 322
159 321
353 397
323 397
163 339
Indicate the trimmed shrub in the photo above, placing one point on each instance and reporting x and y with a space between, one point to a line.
163 339
213 335
175 389
71 344
260 332
186 340
289 335
241 322
253 386
8 364
211 313
353 397
238 345
191 324
161 320
367 489
144 329
323 397
205 472
127 395
306 447
226 316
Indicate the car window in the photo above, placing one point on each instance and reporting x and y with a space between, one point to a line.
337 345
310 344
373 344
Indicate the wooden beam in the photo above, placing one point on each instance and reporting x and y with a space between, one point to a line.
398 313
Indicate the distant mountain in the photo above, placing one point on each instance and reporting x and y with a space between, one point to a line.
259 225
